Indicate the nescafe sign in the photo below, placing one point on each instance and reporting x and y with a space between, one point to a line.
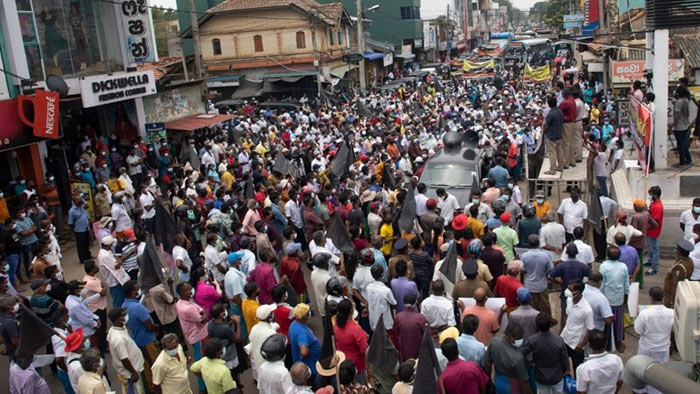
104 89
45 122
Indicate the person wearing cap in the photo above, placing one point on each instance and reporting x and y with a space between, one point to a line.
401 247
112 271
290 266
459 376
681 270
542 206
127 358
429 219
126 250
80 315
78 222
465 288
524 314
549 356
304 344
212 369
506 238
234 285
274 376
568 269
264 329
42 304
105 228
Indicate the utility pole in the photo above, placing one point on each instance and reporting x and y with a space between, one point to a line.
197 44
317 58
361 47
603 29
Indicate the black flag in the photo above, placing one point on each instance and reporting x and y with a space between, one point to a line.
595 215
249 190
408 212
449 265
381 353
339 235
164 228
281 164
387 177
292 296
151 269
363 110
418 108
428 369
442 123
475 186
344 158
33 335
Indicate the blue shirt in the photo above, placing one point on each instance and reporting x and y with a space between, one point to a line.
470 349
569 270
78 218
616 281
80 315
22 226
87 176
500 176
138 315
380 261
400 287
301 334
630 257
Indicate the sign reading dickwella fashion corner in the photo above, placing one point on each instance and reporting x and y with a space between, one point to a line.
105 89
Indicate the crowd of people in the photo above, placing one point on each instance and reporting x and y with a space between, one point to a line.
276 217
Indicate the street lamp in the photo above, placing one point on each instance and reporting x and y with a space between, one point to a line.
361 41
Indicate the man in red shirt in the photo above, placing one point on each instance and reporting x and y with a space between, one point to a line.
460 377
568 108
507 285
656 210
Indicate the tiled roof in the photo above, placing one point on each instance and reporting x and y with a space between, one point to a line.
330 13
690 46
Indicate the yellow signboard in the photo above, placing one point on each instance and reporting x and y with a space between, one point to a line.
469 66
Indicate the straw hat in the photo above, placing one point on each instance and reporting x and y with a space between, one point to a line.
335 361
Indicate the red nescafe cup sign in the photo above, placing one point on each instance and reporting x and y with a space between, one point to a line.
46 116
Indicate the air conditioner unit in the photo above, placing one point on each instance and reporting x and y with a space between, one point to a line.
686 326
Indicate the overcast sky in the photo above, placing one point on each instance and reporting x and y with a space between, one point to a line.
522 4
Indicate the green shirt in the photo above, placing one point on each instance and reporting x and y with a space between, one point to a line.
506 238
216 376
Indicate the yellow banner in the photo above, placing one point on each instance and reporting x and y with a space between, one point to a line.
539 74
469 66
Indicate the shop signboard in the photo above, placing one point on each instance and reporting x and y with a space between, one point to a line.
388 59
155 133
629 71
105 89
14 133
138 30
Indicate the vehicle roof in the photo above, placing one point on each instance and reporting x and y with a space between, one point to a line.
455 155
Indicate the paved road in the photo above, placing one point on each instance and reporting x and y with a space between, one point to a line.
73 270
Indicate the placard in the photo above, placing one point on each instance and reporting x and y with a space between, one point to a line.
105 89
138 31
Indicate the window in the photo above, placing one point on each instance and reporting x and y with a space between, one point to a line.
340 38
408 13
216 46
331 37
301 40
258 42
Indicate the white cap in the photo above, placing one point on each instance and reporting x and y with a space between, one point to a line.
108 240
264 311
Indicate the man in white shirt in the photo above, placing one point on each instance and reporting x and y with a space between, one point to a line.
319 278
437 309
579 321
213 260
112 271
363 275
552 234
448 205
602 372
654 325
573 213
421 199
148 203
127 358
585 252
381 300
690 218
321 244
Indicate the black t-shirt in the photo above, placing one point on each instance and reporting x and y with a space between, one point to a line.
11 245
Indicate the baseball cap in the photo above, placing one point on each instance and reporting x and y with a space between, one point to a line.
264 311
505 217
74 284
74 340
129 233
523 294
108 240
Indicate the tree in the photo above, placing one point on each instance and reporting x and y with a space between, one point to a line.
160 17
537 11
554 13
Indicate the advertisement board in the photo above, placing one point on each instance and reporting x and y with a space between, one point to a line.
105 89
629 71
136 19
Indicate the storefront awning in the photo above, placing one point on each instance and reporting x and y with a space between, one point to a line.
373 55
289 74
224 81
195 122
405 56
340 71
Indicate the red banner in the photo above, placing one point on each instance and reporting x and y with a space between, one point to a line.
46 115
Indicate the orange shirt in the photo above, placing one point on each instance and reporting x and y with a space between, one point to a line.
4 213
487 323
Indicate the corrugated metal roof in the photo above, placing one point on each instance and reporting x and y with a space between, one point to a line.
690 46
195 122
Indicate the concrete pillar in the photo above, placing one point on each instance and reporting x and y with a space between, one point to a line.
660 84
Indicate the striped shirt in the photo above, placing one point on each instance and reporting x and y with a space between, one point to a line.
44 306
124 248
22 226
